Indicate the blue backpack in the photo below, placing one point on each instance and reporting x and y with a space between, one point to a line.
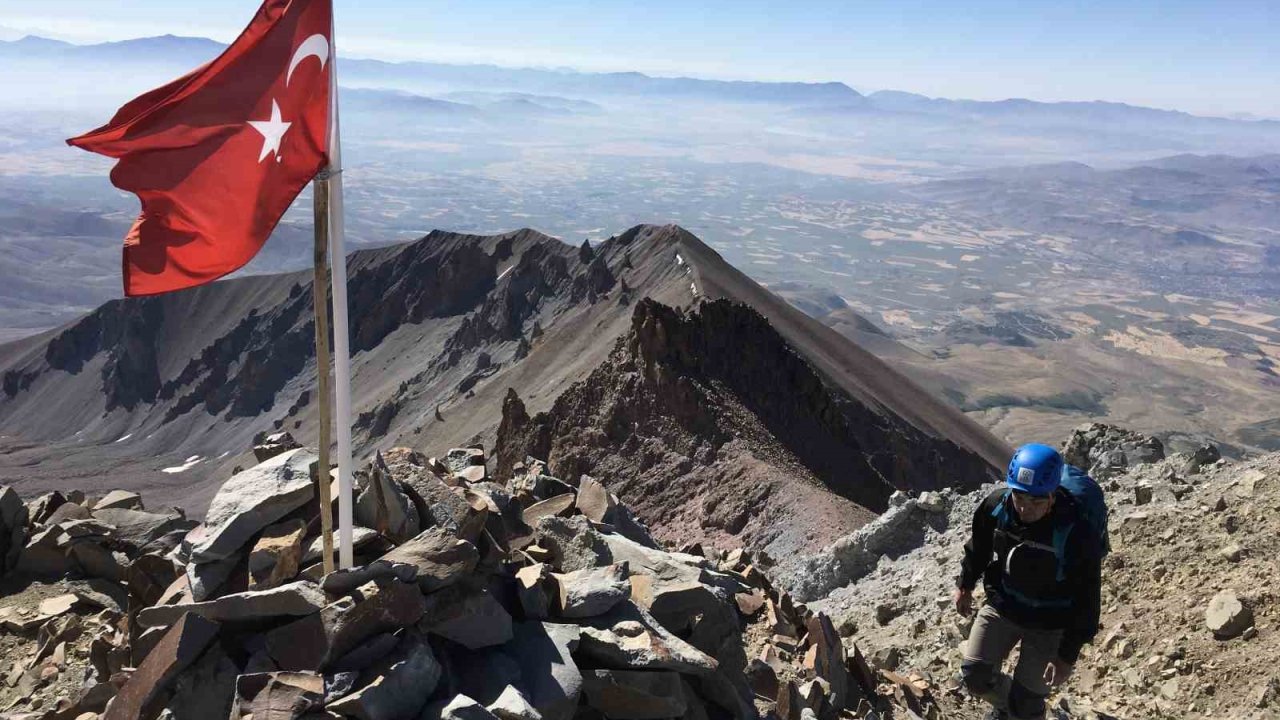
1092 512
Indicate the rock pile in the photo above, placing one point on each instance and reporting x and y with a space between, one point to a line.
538 599
1103 450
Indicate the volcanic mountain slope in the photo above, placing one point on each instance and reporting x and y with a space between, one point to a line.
159 394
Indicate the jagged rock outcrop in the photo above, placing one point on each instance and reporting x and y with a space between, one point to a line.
1103 450
681 413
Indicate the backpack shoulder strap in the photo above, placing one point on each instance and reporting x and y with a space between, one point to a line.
1001 510
1061 534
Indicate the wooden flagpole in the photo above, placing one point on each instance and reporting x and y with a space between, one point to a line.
320 292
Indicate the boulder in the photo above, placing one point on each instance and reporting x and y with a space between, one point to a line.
135 529
207 689
462 707
1227 616
467 614
532 585
278 695
293 600
1142 494
267 446
631 695
275 557
341 582
41 508
1206 454
441 558
459 459
205 579
573 543
96 561
829 658
383 506
181 646
250 501
399 690
13 529
66 512
513 705
554 506
312 642
119 500
44 555
593 591
87 529
437 503
630 638
365 655
549 678
1103 450
360 537
594 501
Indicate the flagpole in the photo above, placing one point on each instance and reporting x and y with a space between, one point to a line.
342 355
320 206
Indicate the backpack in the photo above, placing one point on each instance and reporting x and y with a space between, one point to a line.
1092 512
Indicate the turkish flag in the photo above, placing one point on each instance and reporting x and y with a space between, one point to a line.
218 155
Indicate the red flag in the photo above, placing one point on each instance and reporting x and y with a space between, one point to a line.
217 155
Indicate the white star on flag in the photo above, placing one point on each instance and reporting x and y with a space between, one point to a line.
272 132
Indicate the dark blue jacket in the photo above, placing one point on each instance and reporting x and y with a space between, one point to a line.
1024 578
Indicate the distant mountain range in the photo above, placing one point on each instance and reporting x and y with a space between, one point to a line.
823 97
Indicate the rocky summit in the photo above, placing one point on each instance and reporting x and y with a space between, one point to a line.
540 597
545 596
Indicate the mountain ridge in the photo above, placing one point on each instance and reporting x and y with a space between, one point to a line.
835 95
160 390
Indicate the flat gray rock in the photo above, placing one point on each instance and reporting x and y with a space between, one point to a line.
550 679
119 499
400 691
629 638
312 642
250 501
594 591
441 558
292 600
632 695
469 615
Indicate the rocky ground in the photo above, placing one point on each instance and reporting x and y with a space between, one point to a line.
1190 589
546 598
540 599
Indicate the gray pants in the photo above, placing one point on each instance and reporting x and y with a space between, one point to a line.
990 642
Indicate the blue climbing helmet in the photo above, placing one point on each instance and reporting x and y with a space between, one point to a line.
1035 469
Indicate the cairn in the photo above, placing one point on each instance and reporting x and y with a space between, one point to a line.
537 599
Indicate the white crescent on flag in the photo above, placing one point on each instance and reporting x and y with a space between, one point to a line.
317 45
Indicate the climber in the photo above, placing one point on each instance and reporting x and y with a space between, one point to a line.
1038 544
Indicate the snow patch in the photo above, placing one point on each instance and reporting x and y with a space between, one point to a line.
679 260
126 437
190 463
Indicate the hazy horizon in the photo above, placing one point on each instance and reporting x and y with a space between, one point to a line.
1206 61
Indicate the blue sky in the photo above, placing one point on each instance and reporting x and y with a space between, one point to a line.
1218 58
